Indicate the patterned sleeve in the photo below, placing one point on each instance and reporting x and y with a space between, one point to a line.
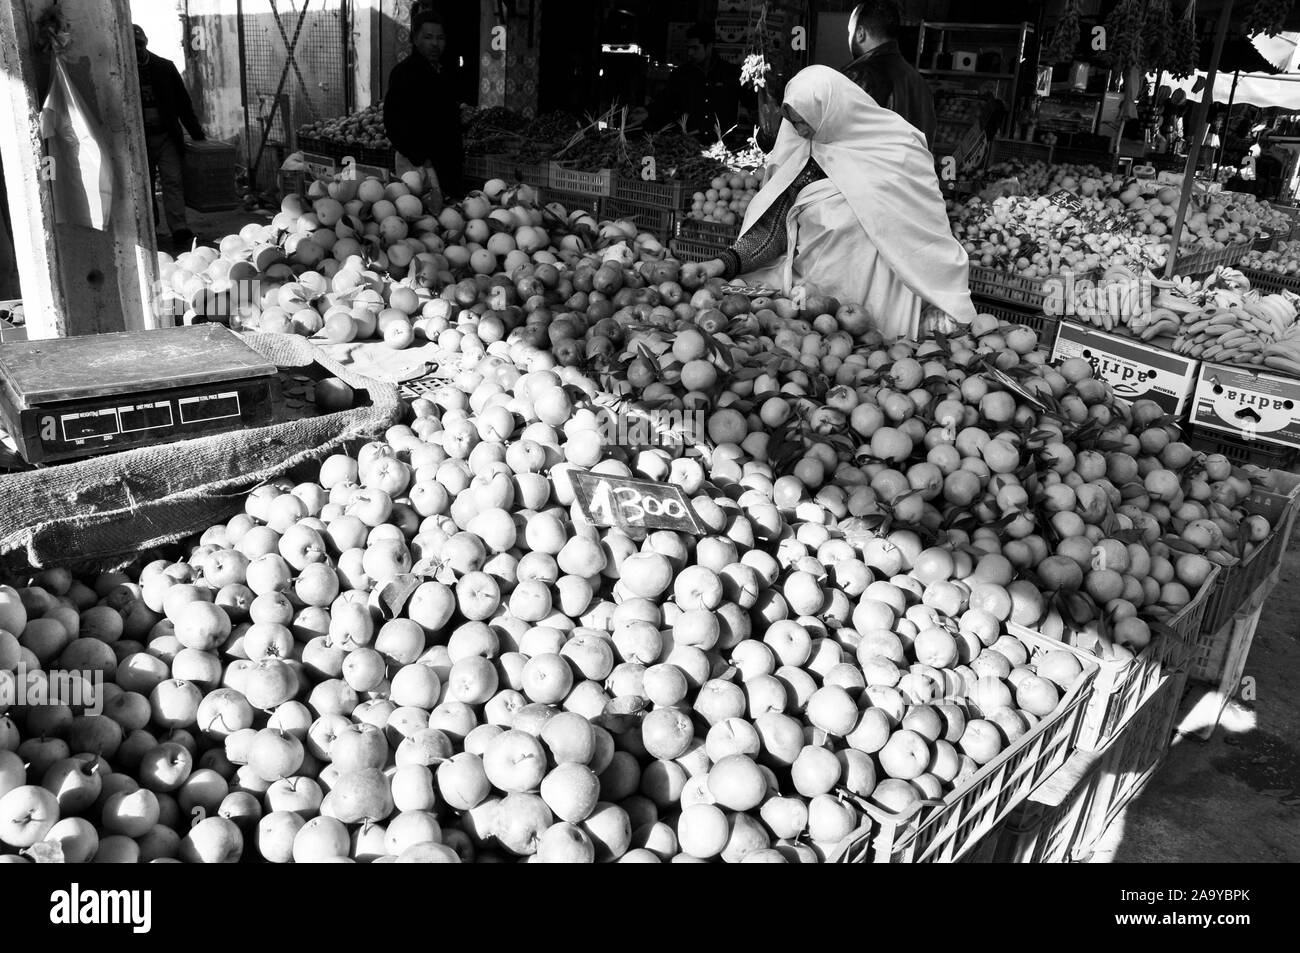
767 240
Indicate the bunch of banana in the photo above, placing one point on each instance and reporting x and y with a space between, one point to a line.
1235 328
1117 299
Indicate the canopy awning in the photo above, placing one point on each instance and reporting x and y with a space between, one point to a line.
1258 89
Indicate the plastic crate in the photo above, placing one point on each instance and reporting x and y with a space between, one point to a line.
1120 689
1003 149
1185 625
572 201
1005 286
1045 324
700 230
293 182
1268 455
479 169
1230 643
1237 586
1063 820
337 150
559 176
1270 282
685 249
1203 262
649 218
208 170
971 813
672 194
1102 160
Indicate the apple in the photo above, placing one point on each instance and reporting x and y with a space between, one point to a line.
213 840
26 815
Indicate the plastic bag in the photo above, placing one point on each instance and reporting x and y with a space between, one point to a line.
83 170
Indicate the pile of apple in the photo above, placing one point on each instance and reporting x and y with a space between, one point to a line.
1284 259
364 129
726 199
362 259
427 653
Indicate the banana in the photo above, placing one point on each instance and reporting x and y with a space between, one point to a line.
1157 328
1175 302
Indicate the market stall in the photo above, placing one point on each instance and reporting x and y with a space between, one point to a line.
497 530
716 487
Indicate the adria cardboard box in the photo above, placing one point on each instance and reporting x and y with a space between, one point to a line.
1133 369
1248 405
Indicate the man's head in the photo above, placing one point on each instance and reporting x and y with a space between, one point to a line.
428 37
699 43
141 40
871 24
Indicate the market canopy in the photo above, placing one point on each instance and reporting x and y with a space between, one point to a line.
1258 89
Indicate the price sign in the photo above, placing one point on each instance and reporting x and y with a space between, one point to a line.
1067 200
620 501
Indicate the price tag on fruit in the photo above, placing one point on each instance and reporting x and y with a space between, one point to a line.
1066 200
620 501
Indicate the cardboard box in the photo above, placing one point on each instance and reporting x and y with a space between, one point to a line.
1134 370
1248 405
964 61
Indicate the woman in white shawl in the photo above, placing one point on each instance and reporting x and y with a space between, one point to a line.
851 208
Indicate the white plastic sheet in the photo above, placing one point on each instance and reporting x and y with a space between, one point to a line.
82 173
1258 89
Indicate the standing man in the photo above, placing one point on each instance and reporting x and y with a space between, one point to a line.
166 107
422 112
705 90
880 69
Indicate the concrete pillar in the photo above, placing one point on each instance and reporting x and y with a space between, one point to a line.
78 280
366 30
212 68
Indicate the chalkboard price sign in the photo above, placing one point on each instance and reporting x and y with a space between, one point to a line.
1067 200
620 501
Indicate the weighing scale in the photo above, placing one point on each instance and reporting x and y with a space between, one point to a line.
102 393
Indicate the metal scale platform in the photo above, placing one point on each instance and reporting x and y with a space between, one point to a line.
73 397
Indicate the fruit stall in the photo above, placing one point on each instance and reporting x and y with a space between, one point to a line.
498 531
630 565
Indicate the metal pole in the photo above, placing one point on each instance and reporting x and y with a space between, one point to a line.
1227 118
243 95
1198 127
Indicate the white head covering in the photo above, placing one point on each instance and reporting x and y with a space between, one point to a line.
880 164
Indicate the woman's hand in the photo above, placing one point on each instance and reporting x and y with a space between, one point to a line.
713 269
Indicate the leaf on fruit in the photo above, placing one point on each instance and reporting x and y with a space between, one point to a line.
1180 545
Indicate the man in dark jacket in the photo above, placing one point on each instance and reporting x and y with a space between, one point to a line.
880 69
166 107
705 89
421 110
